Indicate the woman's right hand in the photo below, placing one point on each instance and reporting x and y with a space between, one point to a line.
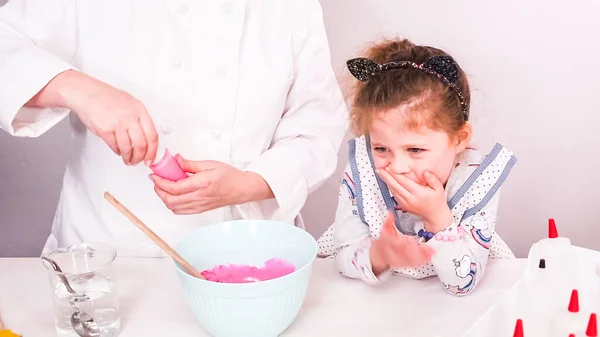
394 250
115 116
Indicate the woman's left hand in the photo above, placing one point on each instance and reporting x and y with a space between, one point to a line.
212 185
427 201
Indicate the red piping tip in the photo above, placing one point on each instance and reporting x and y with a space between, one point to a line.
592 328
552 231
574 302
518 329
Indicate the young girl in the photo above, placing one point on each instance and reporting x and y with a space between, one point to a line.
416 200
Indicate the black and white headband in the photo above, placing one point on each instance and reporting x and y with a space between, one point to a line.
442 67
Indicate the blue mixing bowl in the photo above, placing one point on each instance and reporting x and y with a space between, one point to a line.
259 309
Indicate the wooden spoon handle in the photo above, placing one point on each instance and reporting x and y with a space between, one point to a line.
160 242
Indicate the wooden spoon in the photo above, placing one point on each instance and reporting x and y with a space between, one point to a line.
160 242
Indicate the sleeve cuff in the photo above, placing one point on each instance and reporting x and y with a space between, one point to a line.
22 77
285 179
446 238
448 245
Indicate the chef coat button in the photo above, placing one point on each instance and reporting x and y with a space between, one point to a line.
215 134
164 128
222 71
184 8
227 8
175 62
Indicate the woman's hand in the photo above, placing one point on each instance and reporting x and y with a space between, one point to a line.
115 116
212 185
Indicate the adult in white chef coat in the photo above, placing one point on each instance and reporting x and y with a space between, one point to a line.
244 87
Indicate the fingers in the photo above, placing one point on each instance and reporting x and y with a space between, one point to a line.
111 140
175 202
124 144
420 257
400 191
389 229
427 252
151 139
138 140
181 187
189 210
407 252
416 257
421 253
186 165
191 166
433 181
184 204
410 185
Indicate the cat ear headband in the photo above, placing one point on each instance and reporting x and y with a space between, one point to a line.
442 67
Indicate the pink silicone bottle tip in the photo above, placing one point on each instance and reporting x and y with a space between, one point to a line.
162 161
552 231
168 168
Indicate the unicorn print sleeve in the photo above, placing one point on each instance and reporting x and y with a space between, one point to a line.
462 250
352 238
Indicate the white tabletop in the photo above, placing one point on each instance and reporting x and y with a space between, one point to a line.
152 302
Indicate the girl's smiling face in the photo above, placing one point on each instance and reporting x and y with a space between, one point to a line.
412 151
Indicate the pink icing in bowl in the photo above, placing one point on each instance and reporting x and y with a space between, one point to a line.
240 273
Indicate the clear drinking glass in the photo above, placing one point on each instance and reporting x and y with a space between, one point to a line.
89 270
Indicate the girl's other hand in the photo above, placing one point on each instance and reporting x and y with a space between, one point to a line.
394 250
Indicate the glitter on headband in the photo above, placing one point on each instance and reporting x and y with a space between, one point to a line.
442 67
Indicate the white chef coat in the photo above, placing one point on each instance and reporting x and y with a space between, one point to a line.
245 82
